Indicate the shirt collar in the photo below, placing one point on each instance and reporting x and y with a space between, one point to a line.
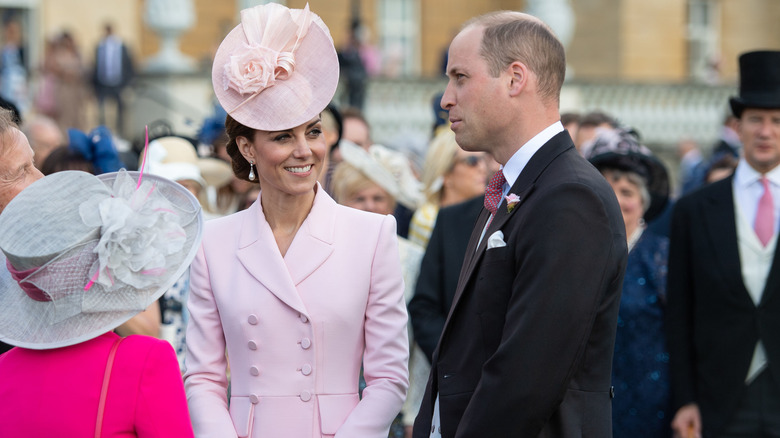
517 163
745 175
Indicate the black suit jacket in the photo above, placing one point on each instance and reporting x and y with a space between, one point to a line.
439 271
527 347
713 324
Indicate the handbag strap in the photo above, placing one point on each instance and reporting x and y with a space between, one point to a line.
104 389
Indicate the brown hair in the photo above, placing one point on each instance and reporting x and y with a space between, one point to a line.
234 130
514 36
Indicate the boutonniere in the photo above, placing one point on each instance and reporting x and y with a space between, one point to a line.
511 201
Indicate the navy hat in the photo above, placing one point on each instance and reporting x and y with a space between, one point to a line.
759 82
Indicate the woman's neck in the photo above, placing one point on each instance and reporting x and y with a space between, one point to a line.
285 214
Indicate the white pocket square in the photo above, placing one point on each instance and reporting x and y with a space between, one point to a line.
496 240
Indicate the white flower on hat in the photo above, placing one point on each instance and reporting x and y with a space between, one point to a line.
139 229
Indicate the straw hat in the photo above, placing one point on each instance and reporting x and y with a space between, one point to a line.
86 253
387 168
277 69
175 158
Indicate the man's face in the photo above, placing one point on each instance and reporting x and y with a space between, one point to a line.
356 131
759 131
473 97
16 166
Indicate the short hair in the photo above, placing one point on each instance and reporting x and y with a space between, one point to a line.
7 123
567 118
64 158
348 180
439 161
511 36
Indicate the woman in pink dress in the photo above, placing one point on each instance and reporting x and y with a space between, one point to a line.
84 254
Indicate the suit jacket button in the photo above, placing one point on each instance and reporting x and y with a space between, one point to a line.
305 396
252 345
304 319
306 369
252 319
611 392
305 343
255 371
254 399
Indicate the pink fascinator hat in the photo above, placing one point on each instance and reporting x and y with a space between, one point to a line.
82 254
277 69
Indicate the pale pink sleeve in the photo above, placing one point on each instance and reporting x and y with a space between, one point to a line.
387 345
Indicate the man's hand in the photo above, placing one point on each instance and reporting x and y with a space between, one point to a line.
687 422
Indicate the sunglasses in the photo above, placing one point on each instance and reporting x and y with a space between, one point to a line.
470 160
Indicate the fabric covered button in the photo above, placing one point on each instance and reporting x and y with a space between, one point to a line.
253 319
306 369
252 345
305 343
254 399
304 319
255 371
305 396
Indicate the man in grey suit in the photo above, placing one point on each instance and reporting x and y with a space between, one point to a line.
526 350
724 279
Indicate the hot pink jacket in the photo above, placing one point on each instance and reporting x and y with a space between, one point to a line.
296 327
55 393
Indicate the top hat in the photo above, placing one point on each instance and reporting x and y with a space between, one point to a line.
759 81
277 69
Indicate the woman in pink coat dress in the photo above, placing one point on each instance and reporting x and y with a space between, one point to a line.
297 290
81 255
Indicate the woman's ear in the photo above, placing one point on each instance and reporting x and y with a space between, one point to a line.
245 147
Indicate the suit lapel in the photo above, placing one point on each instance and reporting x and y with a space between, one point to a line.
312 245
523 187
719 220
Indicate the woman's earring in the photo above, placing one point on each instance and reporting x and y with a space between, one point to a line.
251 171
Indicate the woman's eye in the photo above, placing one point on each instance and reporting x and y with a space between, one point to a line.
282 137
316 132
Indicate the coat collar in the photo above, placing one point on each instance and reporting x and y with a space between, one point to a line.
312 245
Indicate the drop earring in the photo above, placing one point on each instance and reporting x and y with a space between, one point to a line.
251 171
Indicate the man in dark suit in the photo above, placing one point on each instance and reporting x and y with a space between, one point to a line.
113 72
439 271
526 350
724 279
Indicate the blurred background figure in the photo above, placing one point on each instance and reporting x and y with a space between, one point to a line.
113 71
44 136
690 159
368 182
353 69
332 130
571 123
69 74
13 70
355 127
450 176
640 370
588 124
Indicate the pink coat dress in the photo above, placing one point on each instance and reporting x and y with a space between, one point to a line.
55 393
296 327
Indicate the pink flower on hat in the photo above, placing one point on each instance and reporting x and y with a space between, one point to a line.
252 71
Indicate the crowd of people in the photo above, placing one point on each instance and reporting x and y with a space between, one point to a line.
536 276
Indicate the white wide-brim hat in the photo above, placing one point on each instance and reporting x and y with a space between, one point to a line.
176 159
83 254
276 70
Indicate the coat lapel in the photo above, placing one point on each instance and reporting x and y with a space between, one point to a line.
523 187
720 222
312 245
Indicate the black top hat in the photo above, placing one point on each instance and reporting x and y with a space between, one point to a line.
759 83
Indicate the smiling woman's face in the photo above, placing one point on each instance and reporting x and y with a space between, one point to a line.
287 161
16 166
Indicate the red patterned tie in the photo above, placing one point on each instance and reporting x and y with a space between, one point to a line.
765 215
494 192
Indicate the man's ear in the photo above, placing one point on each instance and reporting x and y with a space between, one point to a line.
519 75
